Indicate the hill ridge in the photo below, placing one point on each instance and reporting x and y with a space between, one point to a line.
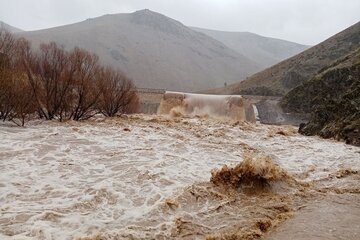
8 27
284 76
154 50
266 51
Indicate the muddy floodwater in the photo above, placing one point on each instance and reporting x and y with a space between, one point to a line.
148 177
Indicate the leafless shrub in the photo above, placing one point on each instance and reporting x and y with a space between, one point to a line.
23 104
50 75
6 93
7 43
117 93
86 88
15 93
132 102
57 84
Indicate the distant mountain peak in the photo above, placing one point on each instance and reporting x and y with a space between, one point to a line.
156 21
145 11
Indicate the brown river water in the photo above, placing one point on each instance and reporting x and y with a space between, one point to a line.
155 177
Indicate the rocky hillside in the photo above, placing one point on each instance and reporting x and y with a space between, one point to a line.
263 50
333 99
154 50
288 74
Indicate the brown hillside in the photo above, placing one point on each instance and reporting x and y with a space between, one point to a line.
286 75
333 99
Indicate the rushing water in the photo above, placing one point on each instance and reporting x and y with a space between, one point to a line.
148 177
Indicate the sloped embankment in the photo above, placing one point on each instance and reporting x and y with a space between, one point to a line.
333 99
290 73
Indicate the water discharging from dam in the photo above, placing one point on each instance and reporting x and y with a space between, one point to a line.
219 106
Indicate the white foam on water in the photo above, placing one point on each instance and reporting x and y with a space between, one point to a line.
217 106
58 180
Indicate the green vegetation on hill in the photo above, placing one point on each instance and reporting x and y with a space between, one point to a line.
333 99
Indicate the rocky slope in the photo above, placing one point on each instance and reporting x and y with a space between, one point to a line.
154 50
288 74
333 99
265 51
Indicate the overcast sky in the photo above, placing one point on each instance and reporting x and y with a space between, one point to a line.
302 21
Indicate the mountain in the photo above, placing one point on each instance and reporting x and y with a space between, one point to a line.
284 76
7 27
333 99
154 50
263 50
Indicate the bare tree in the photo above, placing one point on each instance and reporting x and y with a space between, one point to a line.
86 90
51 78
58 84
29 64
116 92
7 95
132 101
7 43
4 73
16 95
23 104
